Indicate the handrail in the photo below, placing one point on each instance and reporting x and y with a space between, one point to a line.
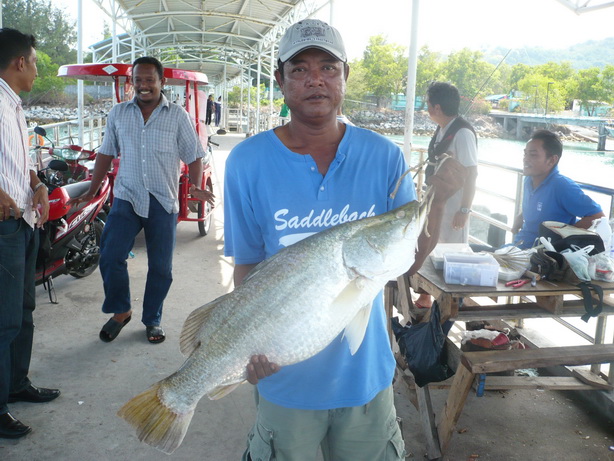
519 190
516 197
62 133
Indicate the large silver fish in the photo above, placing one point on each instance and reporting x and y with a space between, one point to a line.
289 308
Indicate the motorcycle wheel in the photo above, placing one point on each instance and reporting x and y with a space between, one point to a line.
84 271
205 226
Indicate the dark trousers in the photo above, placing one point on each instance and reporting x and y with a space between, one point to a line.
122 227
18 249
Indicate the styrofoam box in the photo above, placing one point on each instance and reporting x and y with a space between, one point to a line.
470 269
443 248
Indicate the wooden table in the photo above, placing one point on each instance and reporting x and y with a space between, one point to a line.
459 302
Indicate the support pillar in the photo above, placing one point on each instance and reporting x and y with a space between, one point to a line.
603 134
519 128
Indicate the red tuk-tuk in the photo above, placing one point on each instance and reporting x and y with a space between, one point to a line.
195 99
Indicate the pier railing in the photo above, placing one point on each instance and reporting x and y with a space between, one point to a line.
513 198
503 195
63 133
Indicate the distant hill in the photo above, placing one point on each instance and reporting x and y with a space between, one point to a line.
594 53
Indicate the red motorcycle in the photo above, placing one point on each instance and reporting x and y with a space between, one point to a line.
80 163
70 240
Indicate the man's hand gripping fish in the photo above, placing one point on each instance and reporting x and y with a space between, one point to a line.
289 308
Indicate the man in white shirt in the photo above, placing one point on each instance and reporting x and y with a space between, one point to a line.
454 136
24 206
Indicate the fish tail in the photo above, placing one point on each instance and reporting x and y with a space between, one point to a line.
155 423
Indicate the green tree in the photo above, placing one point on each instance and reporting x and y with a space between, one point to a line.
591 90
607 78
539 90
469 72
47 86
356 88
428 69
500 81
385 66
234 96
518 72
564 75
559 71
55 36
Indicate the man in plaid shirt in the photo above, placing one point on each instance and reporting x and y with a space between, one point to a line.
152 135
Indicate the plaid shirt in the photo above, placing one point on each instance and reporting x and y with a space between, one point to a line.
15 163
150 152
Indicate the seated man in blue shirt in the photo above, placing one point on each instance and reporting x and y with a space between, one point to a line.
548 195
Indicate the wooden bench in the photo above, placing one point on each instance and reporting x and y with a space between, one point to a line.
479 363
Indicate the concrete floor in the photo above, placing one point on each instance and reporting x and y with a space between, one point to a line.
96 378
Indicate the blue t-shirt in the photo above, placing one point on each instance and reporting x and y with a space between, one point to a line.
275 197
558 198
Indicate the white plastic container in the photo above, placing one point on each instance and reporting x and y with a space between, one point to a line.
470 269
445 248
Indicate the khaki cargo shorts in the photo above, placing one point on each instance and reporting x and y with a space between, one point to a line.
366 433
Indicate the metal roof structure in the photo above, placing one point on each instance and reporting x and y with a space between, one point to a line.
218 37
585 6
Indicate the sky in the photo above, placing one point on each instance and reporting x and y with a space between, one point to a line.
445 25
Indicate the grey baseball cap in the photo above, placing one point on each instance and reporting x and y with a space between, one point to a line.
311 33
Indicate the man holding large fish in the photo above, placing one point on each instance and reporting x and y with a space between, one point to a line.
318 216
286 184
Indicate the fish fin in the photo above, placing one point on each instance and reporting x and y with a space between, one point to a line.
189 339
223 391
155 423
256 269
356 329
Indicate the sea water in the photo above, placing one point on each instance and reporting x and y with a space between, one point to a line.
497 188
580 160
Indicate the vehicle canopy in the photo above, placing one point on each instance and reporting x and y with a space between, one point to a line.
120 75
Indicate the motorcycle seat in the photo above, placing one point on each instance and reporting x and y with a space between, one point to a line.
77 189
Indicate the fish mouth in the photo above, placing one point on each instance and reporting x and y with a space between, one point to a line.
419 213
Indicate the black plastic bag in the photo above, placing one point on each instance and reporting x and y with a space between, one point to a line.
423 346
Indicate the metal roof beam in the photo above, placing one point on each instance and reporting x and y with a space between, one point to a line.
212 14
584 6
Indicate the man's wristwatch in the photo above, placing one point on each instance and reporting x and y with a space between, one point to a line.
465 210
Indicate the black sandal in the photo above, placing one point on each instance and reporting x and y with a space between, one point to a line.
111 329
155 334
